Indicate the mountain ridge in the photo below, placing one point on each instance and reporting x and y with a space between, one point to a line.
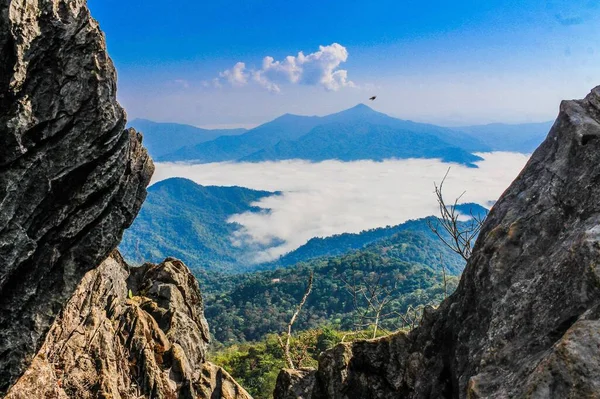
189 221
184 219
318 138
362 141
161 138
343 136
412 255
340 244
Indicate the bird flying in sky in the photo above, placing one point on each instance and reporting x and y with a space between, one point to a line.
373 98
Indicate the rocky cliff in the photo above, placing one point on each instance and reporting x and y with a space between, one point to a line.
71 177
71 180
129 333
525 319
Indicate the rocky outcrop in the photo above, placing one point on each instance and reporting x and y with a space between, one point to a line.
129 333
71 177
216 383
297 384
524 321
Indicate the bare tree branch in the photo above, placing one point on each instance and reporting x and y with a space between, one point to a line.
459 236
286 347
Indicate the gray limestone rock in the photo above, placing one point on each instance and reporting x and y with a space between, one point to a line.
71 177
296 384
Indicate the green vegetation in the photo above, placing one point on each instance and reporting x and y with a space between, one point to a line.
248 307
247 312
365 285
341 244
256 365
188 221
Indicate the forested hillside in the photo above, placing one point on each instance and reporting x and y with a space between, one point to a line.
188 221
408 268
340 244
399 274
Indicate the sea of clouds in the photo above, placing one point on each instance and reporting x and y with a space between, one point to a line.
326 198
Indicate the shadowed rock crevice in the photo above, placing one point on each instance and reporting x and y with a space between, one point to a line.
524 319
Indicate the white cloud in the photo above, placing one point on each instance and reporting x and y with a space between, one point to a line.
236 76
320 68
332 197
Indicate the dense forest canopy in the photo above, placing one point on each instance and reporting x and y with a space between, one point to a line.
247 307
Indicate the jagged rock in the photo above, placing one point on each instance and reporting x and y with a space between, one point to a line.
129 333
524 321
216 383
296 384
71 177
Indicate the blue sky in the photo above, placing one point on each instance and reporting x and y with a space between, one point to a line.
447 62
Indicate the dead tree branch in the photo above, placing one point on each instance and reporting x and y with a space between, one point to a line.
456 235
286 346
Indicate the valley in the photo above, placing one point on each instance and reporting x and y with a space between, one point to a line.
231 233
327 249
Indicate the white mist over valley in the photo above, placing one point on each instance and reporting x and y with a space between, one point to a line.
320 199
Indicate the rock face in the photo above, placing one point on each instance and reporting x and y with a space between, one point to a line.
71 178
297 384
525 320
129 333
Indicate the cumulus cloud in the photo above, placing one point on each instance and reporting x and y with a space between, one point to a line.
332 197
321 68
236 76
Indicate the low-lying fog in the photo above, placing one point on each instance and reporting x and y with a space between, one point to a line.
326 198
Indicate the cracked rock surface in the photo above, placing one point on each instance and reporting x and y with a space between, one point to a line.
129 333
71 177
524 321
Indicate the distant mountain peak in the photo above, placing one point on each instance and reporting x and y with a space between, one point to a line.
361 108
288 116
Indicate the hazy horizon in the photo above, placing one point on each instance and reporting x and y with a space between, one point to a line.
251 126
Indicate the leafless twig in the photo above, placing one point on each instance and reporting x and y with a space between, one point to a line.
460 236
286 346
